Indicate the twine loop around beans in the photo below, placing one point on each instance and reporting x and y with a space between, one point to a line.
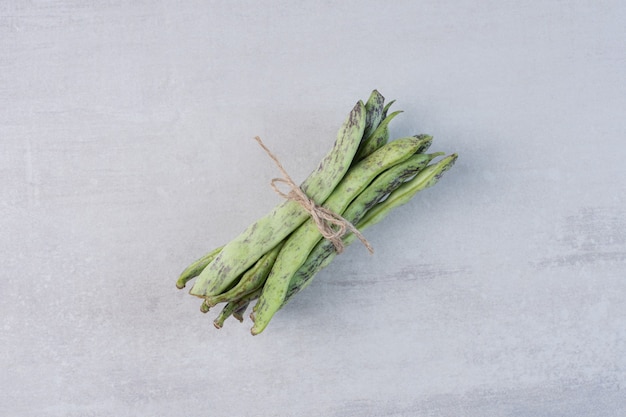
331 225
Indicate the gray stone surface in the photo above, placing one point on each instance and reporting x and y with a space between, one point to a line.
126 152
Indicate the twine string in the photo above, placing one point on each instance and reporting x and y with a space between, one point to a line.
331 225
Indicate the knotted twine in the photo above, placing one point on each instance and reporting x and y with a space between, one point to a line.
324 218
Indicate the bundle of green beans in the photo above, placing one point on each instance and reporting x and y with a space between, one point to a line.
362 178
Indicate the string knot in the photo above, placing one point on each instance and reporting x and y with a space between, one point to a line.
331 225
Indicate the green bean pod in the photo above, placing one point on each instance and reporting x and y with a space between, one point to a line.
196 268
386 108
374 112
252 279
425 179
377 139
239 313
234 306
427 141
267 232
303 239
325 252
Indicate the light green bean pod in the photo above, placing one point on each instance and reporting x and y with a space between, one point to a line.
196 268
238 314
234 306
377 139
325 252
303 239
386 108
425 179
267 232
374 114
251 280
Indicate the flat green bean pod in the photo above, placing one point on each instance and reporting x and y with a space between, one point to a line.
374 115
376 139
425 179
234 307
239 313
325 252
196 268
386 108
251 280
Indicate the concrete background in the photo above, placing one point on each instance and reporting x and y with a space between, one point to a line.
126 152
